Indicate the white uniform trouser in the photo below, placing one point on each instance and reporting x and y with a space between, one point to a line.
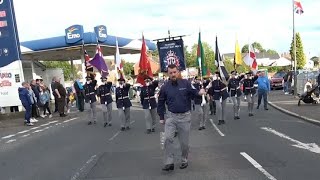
202 113
250 99
221 109
124 116
236 105
91 109
150 116
107 112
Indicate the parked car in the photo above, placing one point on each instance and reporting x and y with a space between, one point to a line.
276 80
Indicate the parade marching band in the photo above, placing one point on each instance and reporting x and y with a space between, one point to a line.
238 87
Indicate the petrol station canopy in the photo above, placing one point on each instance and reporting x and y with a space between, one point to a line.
56 48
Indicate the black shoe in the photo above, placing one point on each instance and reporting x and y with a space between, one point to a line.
266 109
105 124
153 130
223 122
257 107
128 128
238 117
200 128
183 165
109 124
122 129
148 131
175 134
250 114
63 115
168 167
94 122
214 113
203 127
220 122
89 123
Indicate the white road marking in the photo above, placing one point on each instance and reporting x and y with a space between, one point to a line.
69 120
53 122
313 147
45 124
77 174
11 140
34 128
58 124
40 130
26 135
9 136
258 166
132 122
221 134
22 132
115 135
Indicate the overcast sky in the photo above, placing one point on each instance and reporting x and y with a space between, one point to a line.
268 22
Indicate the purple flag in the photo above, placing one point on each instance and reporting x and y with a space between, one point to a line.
98 62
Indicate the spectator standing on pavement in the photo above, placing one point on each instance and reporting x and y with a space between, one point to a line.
289 82
54 94
60 96
263 89
177 94
34 107
79 95
44 101
26 102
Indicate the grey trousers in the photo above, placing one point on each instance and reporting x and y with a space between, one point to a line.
177 123
202 113
150 116
124 116
236 105
107 112
250 99
91 109
221 109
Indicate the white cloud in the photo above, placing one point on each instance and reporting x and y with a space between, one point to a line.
268 22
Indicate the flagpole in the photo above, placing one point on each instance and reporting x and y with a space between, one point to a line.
294 49
235 53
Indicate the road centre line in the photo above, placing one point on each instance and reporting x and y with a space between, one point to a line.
258 166
217 129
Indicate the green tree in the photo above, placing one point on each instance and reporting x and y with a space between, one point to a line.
208 53
245 49
255 45
258 46
271 51
301 58
228 63
128 68
65 66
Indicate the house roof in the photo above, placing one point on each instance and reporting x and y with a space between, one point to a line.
260 55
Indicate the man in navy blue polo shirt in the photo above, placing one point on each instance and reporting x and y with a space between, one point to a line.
177 94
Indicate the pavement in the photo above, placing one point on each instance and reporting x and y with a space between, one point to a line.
270 145
289 104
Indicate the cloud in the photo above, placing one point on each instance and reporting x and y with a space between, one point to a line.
268 22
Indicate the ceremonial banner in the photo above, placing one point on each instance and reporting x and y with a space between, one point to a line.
171 52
